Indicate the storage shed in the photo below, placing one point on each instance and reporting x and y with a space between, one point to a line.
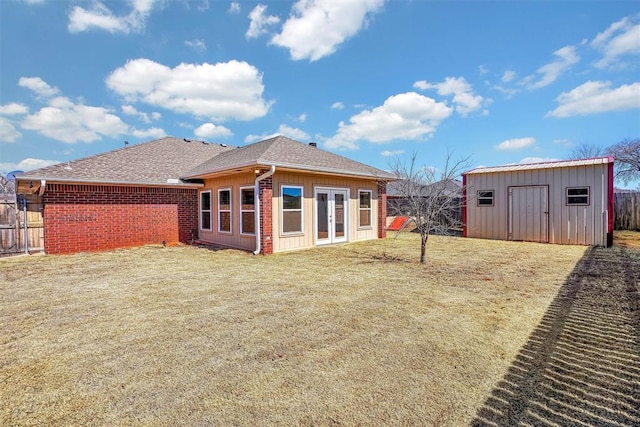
564 202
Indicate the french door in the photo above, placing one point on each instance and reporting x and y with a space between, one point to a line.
331 215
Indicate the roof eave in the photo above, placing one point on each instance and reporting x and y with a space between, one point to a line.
293 167
56 180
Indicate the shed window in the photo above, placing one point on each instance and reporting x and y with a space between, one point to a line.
224 211
578 196
291 210
205 210
485 198
364 207
247 211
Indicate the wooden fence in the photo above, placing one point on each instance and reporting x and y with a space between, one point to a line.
12 223
627 210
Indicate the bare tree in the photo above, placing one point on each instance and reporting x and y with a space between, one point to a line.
429 197
586 151
627 159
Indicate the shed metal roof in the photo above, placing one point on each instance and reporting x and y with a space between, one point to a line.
543 165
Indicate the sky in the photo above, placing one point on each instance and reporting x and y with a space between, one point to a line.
497 82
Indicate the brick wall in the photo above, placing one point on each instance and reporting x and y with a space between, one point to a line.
80 218
382 209
266 215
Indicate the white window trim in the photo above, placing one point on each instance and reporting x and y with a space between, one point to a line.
588 195
230 210
282 210
370 209
210 211
252 188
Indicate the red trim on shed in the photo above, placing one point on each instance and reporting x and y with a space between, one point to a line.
464 205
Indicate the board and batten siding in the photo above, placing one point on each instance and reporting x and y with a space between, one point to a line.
286 242
567 224
234 239
309 182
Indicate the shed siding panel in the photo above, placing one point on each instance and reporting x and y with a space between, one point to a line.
586 225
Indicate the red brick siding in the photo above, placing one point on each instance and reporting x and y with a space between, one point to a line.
382 209
266 215
80 218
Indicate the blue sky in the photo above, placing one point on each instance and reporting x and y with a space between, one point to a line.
501 82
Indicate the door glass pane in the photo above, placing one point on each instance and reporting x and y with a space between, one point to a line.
339 215
322 202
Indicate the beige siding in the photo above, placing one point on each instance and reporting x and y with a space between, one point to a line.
309 182
288 242
586 225
233 239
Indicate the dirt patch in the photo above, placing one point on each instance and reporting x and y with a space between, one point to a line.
581 365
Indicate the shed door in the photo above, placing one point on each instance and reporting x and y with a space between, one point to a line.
529 213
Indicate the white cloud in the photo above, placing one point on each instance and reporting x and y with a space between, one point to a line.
482 69
130 110
149 133
209 130
38 86
464 99
506 91
596 97
75 123
302 118
316 28
527 160
563 142
8 132
234 8
33 1
387 153
337 106
508 76
98 16
13 109
196 44
407 116
284 130
222 91
260 22
620 39
515 143
26 165
549 73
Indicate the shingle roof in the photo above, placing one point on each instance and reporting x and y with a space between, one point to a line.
544 165
158 162
286 153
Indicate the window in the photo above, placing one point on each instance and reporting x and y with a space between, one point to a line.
291 210
247 211
364 207
205 210
224 211
485 198
578 196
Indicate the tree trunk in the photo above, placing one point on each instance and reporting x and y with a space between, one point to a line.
423 249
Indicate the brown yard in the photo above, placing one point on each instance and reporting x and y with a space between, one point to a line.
352 334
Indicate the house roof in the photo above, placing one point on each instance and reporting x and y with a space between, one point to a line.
286 153
543 165
171 161
158 162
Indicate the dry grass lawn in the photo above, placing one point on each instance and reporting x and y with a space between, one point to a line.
351 334
626 239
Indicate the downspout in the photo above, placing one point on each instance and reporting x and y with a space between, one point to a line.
256 195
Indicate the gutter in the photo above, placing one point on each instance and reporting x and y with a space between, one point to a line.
256 195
